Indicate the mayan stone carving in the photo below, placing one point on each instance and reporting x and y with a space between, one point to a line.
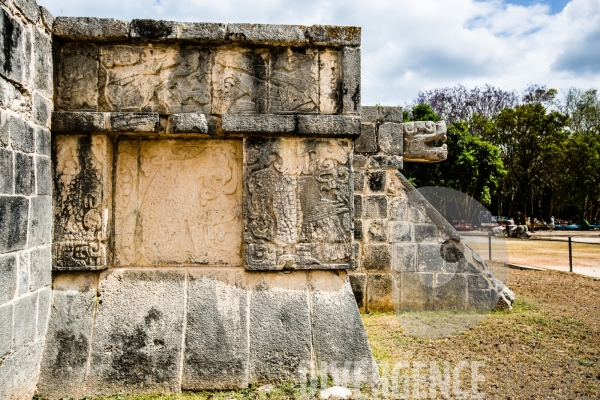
189 78
82 201
297 203
240 81
419 141
178 202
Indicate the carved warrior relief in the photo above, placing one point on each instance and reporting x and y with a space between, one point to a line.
420 141
154 78
239 79
178 202
82 184
186 78
297 204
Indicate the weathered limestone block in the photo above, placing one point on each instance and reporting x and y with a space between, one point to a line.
280 333
19 371
202 31
154 29
329 125
339 337
300 125
376 181
417 291
68 344
187 123
327 35
290 35
367 141
14 57
380 292
157 78
133 122
391 138
79 122
86 28
138 332
260 124
389 114
216 335
77 77
82 201
298 203
419 141
351 81
178 202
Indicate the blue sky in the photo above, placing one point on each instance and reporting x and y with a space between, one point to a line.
556 6
410 45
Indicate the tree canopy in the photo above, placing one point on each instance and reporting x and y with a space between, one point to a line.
534 153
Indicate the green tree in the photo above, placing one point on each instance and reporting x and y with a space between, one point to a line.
531 141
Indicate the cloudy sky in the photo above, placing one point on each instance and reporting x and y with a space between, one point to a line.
410 45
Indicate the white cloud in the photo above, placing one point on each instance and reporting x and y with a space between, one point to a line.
410 46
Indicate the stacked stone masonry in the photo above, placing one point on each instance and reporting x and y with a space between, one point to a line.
26 91
407 257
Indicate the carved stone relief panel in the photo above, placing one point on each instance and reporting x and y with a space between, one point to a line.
82 201
154 78
239 79
294 81
330 69
178 202
77 77
181 78
297 203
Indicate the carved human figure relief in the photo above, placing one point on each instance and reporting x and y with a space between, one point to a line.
420 141
82 201
294 78
178 202
297 207
154 78
239 80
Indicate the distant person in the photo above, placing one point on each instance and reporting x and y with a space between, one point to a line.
532 220
551 225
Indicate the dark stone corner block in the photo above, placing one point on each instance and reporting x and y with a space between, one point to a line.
78 122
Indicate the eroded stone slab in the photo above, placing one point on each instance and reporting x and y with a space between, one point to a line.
298 203
340 341
216 335
69 340
178 202
138 332
280 328
82 201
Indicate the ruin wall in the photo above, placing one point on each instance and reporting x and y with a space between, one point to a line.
26 91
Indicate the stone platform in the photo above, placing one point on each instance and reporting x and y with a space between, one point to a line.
173 329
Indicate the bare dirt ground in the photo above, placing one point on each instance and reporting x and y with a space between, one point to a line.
543 253
552 336
548 347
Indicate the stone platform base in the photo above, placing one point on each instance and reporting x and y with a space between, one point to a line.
173 329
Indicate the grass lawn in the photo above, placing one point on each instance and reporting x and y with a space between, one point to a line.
552 336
